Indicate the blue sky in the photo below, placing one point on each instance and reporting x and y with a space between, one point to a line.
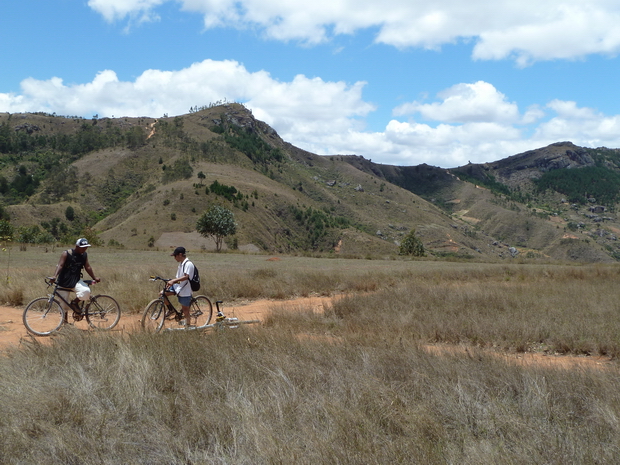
400 82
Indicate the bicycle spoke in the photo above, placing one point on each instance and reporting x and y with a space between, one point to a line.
103 312
42 317
201 311
154 316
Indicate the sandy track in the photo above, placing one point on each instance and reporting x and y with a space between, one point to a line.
12 330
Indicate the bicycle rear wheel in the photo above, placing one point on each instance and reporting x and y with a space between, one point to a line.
43 316
154 316
200 311
103 312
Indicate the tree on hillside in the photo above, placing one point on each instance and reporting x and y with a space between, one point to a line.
218 222
6 230
411 245
201 176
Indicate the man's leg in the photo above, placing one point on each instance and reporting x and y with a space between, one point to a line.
65 307
185 302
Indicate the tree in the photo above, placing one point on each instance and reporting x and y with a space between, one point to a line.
218 222
411 245
201 176
6 231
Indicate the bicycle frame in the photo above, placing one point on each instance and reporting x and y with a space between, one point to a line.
164 298
57 288
159 310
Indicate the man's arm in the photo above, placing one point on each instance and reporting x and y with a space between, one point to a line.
90 271
185 277
59 267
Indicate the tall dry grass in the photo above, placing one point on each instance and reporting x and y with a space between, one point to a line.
351 385
267 396
558 310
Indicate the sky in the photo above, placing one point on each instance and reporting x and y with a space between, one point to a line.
399 82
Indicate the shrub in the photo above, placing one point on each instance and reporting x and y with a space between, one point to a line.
411 245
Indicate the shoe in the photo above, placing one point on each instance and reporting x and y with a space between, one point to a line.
182 323
220 317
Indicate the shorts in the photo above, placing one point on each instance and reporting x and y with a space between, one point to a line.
185 301
82 292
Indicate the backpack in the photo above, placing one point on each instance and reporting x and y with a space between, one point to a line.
194 281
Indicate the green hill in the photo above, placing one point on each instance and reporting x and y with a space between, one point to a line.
556 202
143 182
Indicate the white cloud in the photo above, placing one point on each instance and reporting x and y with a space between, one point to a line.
527 31
584 126
114 10
464 103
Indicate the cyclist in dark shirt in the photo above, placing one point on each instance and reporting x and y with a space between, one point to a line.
69 272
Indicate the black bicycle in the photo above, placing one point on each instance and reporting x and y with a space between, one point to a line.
45 315
160 310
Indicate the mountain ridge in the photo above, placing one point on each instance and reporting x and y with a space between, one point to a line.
137 183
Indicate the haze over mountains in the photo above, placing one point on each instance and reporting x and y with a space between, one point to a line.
143 183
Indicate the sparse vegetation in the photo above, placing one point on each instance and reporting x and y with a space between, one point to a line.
578 185
250 144
111 170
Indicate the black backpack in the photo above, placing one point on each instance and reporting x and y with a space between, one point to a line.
194 281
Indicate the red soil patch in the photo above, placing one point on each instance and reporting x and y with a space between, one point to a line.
526 359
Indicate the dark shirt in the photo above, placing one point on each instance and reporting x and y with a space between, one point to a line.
72 270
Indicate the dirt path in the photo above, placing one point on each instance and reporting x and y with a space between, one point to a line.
12 332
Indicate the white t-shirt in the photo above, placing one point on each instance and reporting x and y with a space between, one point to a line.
183 289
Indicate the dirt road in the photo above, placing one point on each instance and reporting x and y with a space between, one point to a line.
12 330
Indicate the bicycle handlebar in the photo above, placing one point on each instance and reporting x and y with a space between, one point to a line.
158 278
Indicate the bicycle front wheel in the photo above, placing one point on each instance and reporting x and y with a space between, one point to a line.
43 316
154 316
201 311
103 312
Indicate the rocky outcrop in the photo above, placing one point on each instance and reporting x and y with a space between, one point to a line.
532 164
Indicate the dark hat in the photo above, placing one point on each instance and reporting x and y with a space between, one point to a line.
82 243
177 251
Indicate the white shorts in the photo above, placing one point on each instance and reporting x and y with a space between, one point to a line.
82 292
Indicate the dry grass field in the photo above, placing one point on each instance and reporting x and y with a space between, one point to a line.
354 384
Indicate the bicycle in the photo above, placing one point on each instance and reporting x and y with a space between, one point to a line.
45 315
160 310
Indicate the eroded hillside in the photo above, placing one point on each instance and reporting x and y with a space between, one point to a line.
143 182
558 202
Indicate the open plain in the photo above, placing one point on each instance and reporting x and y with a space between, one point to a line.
355 361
